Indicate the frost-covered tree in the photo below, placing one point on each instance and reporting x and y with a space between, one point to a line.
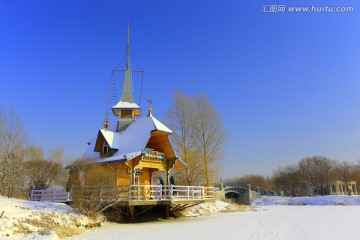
12 173
12 142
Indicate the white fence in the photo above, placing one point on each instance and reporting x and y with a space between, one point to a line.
127 192
50 195
170 192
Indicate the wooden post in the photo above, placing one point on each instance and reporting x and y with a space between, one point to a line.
132 212
250 195
167 209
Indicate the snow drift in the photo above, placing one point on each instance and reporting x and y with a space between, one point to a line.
50 220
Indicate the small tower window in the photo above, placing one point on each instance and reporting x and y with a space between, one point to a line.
105 149
126 114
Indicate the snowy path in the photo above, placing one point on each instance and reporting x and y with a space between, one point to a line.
270 222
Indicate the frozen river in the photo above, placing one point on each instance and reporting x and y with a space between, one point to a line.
268 222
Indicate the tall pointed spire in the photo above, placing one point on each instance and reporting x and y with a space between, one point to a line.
126 108
127 93
128 45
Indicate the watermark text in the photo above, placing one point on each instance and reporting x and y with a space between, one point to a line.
278 8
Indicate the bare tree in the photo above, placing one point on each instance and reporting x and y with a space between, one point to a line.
2 130
316 171
32 152
13 137
42 174
12 142
180 119
92 187
210 137
56 155
344 171
198 136
289 180
356 175
256 180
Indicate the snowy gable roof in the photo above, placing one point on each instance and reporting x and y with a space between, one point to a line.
132 142
159 126
112 138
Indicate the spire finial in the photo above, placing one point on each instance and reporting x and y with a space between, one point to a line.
127 95
106 123
150 108
128 45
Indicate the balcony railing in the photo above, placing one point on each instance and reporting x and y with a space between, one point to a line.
126 193
143 193
170 192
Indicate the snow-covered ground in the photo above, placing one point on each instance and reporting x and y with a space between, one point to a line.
277 218
319 200
270 222
206 209
280 219
38 220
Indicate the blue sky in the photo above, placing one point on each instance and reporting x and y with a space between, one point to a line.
286 84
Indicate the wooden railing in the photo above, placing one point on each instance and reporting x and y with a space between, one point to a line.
49 195
170 192
126 193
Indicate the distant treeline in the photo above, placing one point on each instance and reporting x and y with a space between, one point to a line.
310 176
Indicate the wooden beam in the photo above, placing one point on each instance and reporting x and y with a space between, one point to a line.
132 212
145 210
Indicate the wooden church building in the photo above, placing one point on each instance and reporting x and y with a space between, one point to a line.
139 150
136 146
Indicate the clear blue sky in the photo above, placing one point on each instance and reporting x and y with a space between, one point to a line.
286 84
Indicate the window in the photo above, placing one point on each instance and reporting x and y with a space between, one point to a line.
126 113
105 149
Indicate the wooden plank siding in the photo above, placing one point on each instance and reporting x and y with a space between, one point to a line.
158 141
122 177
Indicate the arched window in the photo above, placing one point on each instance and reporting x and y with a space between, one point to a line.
105 149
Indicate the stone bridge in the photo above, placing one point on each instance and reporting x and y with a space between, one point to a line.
244 195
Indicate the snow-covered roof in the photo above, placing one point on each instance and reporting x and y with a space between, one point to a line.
112 138
126 105
90 153
130 143
159 126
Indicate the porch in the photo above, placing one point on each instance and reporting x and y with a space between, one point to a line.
135 200
132 195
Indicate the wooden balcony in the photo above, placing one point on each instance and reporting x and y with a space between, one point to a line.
130 195
169 192
135 195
